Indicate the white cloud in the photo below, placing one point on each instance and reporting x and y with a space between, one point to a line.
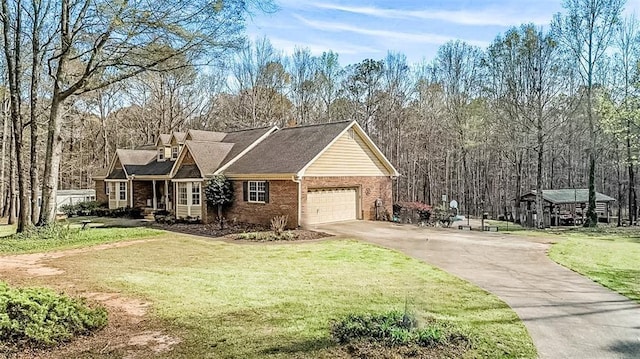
503 16
424 38
317 48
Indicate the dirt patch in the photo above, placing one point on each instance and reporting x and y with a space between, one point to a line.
132 307
35 264
154 341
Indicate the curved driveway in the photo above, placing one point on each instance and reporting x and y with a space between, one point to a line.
567 315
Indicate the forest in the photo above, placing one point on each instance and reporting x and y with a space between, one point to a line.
539 108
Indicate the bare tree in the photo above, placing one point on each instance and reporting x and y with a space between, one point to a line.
586 31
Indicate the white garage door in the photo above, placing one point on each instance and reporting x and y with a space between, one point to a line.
331 205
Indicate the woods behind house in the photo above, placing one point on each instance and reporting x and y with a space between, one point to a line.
538 108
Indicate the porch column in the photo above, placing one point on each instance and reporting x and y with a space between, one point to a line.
155 200
166 195
131 193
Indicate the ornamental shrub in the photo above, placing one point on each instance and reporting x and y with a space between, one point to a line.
41 317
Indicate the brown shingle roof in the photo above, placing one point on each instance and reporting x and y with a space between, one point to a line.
208 136
153 168
242 140
288 150
208 155
136 157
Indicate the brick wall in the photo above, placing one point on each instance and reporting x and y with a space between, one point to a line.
142 190
369 189
101 193
283 198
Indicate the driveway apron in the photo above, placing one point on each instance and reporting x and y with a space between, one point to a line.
566 314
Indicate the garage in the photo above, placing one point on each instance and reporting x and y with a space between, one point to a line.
326 205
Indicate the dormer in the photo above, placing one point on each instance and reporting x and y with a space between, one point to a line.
176 143
163 147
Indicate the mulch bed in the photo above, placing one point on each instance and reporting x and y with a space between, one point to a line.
230 231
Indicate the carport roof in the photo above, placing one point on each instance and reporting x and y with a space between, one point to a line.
566 196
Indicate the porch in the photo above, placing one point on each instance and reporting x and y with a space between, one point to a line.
152 195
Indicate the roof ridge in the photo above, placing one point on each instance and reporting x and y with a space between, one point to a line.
317 124
249 129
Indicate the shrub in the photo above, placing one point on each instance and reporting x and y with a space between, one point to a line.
396 328
278 224
41 317
85 208
53 231
266 236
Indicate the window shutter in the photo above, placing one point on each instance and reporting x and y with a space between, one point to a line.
245 191
266 192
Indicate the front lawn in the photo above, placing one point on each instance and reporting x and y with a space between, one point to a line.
611 259
63 237
255 300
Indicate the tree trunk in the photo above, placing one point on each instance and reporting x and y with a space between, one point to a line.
35 76
3 160
54 142
539 197
632 179
52 163
12 183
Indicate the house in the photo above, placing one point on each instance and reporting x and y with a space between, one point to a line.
565 206
312 174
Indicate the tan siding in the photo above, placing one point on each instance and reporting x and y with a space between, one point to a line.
182 211
348 156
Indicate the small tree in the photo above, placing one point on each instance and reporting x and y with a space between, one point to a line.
219 192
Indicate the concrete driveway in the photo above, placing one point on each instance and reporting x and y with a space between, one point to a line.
567 315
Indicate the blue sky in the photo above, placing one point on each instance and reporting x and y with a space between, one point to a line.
359 29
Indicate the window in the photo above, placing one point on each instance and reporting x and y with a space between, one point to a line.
257 191
182 193
123 191
195 193
161 154
174 152
107 188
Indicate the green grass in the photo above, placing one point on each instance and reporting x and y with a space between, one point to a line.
610 257
76 238
277 301
504 226
7 230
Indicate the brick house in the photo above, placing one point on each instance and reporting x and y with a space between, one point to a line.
313 174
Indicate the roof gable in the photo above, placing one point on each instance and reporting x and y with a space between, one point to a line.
163 140
292 150
177 138
349 155
207 156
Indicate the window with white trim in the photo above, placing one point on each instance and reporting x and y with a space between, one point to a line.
123 191
257 191
161 154
195 193
182 193
174 152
